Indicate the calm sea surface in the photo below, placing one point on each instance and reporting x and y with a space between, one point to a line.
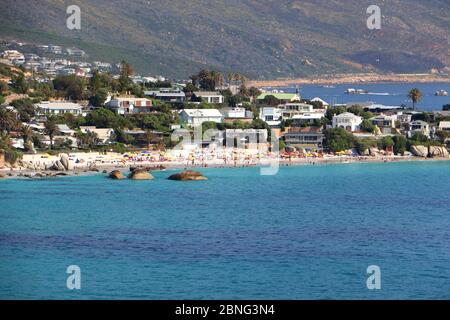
307 233
390 94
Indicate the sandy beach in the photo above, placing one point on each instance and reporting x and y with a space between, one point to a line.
36 166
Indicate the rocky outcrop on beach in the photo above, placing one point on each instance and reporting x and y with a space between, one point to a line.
116 175
438 152
419 151
57 166
140 175
63 164
2 159
188 175
374 152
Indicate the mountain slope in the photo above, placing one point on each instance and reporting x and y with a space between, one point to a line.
260 38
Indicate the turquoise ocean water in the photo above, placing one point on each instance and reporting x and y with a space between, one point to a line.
306 233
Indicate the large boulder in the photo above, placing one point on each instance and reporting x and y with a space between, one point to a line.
438 152
374 152
57 166
140 175
64 161
420 151
116 175
2 159
188 175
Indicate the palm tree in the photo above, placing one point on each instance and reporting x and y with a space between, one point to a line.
92 139
27 134
415 95
51 129
8 120
5 141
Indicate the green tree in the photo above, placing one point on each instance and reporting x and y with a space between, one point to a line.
95 82
356 110
98 99
126 71
364 144
271 100
338 139
334 111
400 144
443 135
367 126
25 108
20 84
51 129
122 137
70 87
208 80
385 142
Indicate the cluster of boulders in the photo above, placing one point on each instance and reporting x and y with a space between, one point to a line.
432 151
143 174
63 164
137 174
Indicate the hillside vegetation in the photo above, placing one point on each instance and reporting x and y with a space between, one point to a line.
263 39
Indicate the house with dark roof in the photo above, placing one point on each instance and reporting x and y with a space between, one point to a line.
306 138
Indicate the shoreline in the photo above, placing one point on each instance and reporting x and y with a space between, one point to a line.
352 79
105 169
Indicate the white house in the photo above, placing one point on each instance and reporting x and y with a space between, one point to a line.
129 105
444 126
196 117
57 107
419 126
105 135
307 118
209 96
271 115
167 94
385 123
64 130
347 121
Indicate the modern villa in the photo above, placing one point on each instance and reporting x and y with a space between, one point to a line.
56 107
129 105
347 121
308 138
196 117
208 96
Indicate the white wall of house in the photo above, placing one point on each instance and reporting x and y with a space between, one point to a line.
347 121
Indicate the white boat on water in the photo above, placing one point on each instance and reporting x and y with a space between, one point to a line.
441 93
356 91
